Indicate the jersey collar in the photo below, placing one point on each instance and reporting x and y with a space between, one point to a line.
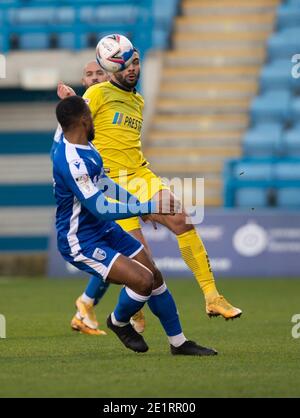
76 145
122 87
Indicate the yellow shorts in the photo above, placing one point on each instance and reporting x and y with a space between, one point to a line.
143 184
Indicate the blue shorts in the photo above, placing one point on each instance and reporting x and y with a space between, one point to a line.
98 258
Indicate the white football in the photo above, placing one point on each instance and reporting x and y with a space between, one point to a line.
114 53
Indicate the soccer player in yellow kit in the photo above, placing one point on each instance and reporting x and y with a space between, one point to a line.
117 111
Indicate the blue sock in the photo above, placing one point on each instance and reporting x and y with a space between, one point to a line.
163 306
101 292
129 303
96 288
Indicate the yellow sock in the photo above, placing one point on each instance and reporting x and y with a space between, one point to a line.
195 256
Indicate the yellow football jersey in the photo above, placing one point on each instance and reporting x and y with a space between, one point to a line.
118 120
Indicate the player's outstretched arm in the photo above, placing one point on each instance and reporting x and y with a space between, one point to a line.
78 180
64 91
113 190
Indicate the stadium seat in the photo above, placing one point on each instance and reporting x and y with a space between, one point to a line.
288 16
65 15
122 13
276 75
26 16
251 197
263 140
160 38
291 142
288 197
270 106
293 2
287 170
66 40
253 171
284 44
34 41
295 110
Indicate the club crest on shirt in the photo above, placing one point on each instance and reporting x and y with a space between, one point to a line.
99 254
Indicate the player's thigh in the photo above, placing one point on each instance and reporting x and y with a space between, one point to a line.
132 274
149 184
131 247
130 224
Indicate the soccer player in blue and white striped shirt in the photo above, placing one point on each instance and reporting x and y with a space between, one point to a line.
89 239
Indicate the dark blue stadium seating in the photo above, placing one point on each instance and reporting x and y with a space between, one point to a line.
59 24
284 44
289 16
288 198
251 197
272 105
262 183
79 24
269 172
263 140
277 74
291 141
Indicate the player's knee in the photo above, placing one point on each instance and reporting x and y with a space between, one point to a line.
146 281
158 279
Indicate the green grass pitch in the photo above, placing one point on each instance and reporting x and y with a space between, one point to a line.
258 357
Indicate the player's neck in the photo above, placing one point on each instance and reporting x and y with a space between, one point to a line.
120 86
76 138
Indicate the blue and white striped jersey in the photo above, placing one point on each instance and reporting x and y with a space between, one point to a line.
76 171
57 139
80 187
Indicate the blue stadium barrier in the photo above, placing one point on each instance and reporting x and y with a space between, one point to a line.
26 195
263 140
25 142
13 244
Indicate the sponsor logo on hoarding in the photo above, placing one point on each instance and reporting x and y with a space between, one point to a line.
250 240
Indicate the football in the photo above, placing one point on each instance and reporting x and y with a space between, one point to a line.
114 53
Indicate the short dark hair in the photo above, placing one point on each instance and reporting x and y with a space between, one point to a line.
69 110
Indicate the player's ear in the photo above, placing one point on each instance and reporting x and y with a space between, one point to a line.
86 121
